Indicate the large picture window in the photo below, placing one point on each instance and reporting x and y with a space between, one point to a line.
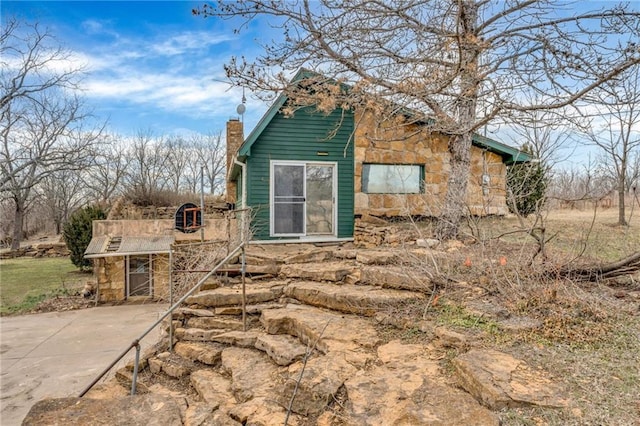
392 178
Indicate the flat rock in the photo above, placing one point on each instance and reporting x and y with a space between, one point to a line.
427 242
189 312
251 309
216 323
201 414
328 331
262 411
450 339
498 380
108 390
407 389
310 256
230 296
282 349
357 299
206 353
172 365
148 409
329 271
321 379
376 257
196 334
213 388
243 339
394 277
253 373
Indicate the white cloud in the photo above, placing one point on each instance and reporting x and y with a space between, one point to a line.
188 42
173 72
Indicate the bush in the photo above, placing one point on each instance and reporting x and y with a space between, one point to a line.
526 188
77 233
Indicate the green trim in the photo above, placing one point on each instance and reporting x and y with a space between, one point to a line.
509 154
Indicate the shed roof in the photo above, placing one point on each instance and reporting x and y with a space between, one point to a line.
106 246
510 155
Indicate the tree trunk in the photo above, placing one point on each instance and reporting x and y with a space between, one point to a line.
622 218
18 221
454 207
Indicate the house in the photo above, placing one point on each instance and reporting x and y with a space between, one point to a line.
307 176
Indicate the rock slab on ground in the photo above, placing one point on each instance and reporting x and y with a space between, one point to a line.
363 300
326 331
499 380
408 389
137 410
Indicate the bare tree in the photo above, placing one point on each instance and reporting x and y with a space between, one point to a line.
62 192
457 64
147 171
614 127
178 155
106 175
41 117
211 154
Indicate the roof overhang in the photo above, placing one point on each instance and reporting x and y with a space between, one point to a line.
109 246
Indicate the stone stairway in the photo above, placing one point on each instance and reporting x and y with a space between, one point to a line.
313 303
310 344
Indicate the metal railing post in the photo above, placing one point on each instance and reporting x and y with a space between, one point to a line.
135 369
244 290
170 299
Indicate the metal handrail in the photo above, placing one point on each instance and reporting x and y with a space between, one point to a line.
136 342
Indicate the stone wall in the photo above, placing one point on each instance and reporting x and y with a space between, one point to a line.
110 276
215 229
38 250
395 142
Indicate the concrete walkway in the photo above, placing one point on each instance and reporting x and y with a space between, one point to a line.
58 354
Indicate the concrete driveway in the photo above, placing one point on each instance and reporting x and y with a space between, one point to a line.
58 354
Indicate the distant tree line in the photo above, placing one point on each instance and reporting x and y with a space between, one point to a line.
55 157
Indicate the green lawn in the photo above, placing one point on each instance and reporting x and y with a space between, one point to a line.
24 282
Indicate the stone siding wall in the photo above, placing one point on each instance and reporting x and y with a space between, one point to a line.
110 275
394 142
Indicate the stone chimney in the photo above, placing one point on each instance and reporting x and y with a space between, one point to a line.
235 138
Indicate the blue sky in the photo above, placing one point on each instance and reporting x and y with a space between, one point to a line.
151 65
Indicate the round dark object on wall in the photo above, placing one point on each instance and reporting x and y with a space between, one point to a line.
188 218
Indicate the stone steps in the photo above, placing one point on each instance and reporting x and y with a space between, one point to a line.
394 277
330 271
354 299
232 296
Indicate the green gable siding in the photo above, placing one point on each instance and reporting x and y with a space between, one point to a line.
299 138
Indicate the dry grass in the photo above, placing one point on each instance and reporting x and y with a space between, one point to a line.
589 333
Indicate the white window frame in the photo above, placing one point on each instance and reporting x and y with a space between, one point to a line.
421 169
128 270
303 235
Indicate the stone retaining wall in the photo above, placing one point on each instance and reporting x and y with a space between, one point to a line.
38 250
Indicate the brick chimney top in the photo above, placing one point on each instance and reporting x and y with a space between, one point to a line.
235 137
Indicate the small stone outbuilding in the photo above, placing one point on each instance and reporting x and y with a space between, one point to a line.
131 257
